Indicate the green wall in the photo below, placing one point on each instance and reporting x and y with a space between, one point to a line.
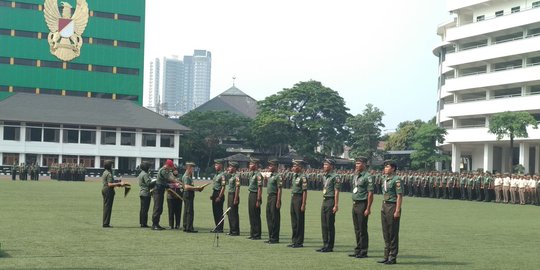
53 78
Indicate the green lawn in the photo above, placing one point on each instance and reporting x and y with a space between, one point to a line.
57 225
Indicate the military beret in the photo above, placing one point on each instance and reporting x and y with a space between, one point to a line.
390 162
273 162
189 163
361 159
218 161
298 162
330 161
233 164
254 160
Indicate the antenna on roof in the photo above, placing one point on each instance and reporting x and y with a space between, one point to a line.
233 79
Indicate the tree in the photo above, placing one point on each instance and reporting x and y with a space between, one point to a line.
426 152
208 130
511 125
402 139
308 117
365 132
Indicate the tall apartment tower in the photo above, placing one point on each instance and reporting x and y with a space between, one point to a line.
185 84
152 96
489 62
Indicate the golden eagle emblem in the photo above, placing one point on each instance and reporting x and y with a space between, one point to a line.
65 38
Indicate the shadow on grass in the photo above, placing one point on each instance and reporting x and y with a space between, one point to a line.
434 263
4 254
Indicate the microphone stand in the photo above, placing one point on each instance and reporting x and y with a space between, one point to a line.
216 235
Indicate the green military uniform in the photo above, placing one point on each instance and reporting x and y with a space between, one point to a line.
255 181
159 193
14 172
108 196
218 181
299 186
487 185
362 186
144 195
234 220
390 225
331 183
189 197
273 215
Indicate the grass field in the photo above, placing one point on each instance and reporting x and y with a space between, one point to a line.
57 225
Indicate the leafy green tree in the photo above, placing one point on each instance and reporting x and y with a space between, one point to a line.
208 130
511 125
308 116
365 132
402 139
426 152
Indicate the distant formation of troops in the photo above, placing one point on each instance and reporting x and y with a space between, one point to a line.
67 172
25 170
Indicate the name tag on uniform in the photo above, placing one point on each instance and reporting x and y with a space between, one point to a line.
324 191
355 190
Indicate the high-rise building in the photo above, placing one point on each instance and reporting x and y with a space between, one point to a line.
489 62
185 84
94 50
152 96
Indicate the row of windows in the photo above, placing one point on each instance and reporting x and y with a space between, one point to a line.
30 90
499 13
87 40
99 14
68 65
38 134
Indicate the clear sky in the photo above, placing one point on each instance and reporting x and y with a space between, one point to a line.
377 52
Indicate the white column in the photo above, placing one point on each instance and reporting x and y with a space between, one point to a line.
536 159
138 161
22 158
118 136
2 156
456 157
97 162
524 156
488 157
116 163
156 164
60 159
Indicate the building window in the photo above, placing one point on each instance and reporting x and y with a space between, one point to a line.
536 4
127 139
107 15
12 133
480 18
101 41
26 6
24 62
88 137
28 34
51 64
167 140
99 68
10 159
149 140
76 66
128 44
515 9
49 160
5 4
51 135
69 159
130 18
33 134
87 161
499 13
108 137
71 136
128 71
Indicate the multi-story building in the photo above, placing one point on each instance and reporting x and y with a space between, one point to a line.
489 62
111 60
185 83
152 96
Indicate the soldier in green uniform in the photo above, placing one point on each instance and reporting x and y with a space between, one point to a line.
108 192
273 202
254 200
144 194
488 186
233 198
329 208
174 203
189 197
218 192
362 197
391 212
14 171
164 177
298 204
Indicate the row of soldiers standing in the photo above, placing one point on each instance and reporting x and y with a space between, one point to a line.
471 186
24 170
67 172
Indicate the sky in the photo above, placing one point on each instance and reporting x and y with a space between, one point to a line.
377 52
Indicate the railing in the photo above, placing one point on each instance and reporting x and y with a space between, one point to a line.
472 73
506 40
471 100
463 23
472 126
506 96
472 47
507 68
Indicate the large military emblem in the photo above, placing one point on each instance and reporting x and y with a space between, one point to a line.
65 38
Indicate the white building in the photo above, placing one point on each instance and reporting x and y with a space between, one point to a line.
489 62
151 100
48 129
